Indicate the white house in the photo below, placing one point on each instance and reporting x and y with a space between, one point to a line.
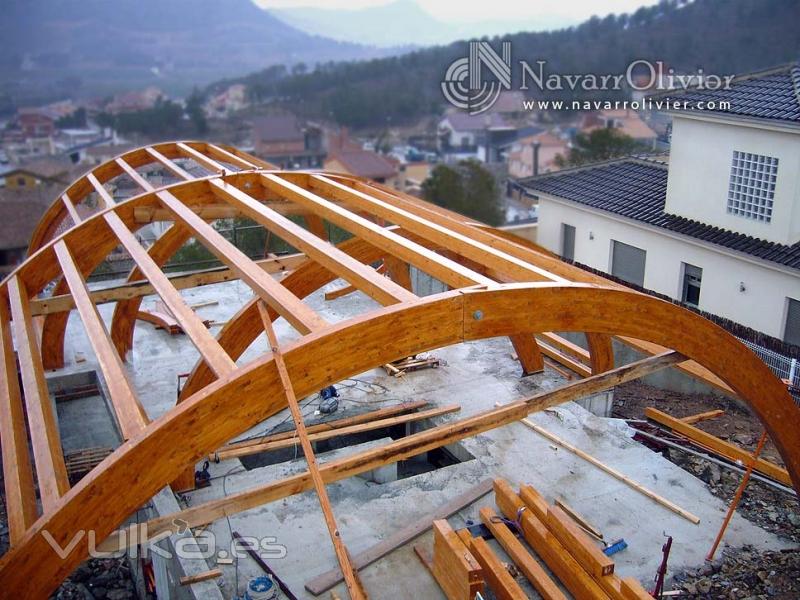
718 227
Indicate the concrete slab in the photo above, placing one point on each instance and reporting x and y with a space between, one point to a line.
475 375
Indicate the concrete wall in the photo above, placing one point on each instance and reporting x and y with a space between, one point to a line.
700 169
762 305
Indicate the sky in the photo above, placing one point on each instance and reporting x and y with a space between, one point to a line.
471 11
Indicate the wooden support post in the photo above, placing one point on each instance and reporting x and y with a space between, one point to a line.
17 471
398 271
737 496
579 583
351 578
528 353
327 580
316 225
454 567
532 570
51 473
712 442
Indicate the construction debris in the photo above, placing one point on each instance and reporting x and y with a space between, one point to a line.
411 363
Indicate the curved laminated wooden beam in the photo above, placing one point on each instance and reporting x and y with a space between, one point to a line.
221 399
209 418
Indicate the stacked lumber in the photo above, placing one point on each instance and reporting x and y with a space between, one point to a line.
462 564
80 462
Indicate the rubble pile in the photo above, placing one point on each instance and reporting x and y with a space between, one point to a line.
98 579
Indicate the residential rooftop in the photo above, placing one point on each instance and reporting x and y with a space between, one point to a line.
637 189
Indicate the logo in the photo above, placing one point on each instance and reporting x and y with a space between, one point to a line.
464 85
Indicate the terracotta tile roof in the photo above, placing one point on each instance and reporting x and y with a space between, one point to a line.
364 163
279 128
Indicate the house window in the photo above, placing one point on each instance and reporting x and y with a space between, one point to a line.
567 241
752 186
791 332
627 262
690 290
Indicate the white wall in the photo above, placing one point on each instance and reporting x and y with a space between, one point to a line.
762 306
699 174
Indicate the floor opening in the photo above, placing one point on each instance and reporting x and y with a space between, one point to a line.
426 462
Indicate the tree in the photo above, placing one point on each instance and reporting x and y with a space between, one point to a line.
194 110
600 144
75 119
468 189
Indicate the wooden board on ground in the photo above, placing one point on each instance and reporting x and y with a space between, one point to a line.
327 580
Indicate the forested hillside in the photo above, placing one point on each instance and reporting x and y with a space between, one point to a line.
720 36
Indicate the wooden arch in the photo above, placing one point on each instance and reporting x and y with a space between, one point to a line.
499 287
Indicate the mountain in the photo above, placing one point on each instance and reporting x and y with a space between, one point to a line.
719 36
399 23
105 46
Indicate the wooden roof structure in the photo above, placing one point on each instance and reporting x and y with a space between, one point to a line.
497 286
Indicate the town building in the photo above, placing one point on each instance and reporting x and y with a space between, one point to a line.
346 156
31 174
287 142
626 121
718 227
536 154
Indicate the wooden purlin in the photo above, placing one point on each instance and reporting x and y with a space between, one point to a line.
351 577
204 161
130 414
426 260
170 165
51 472
102 193
209 348
380 288
134 175
404 448
71 210
453 241
300 316
20 498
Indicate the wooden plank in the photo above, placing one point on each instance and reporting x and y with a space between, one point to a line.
712 442
327 580
71 210
528 353
573 365
454 567
250 163
534 501
209 348
20 496
365 278
51 473
300 316
105 198
134 175
613 472
495 573
366 417
564 346
577 581
171 166
180 281
130 414
444 269
532 570
401 449
316 225
703 416
351 578
201 159
326 435
578 543
454 241
199 577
